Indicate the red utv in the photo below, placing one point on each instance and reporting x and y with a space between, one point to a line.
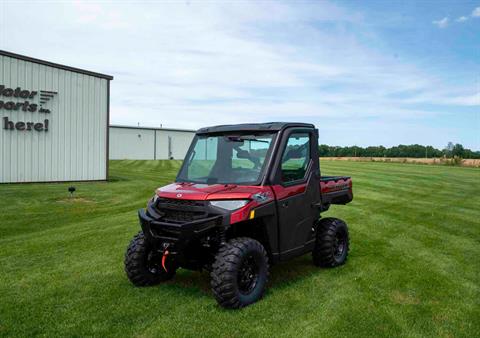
247 196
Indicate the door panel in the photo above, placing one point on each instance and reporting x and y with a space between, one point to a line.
297 216
282 192
297 192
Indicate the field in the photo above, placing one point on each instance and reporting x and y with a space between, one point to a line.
467 162
413 270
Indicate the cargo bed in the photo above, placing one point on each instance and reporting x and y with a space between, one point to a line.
335 190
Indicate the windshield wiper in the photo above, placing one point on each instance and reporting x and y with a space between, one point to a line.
244 138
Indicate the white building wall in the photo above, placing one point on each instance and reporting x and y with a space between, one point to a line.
131 144
179 143
75 146
161 148
125 143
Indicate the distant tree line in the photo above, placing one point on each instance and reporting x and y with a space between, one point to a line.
413 150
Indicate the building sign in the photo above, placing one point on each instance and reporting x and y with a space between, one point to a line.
19 99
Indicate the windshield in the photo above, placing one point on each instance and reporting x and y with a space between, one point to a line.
226 159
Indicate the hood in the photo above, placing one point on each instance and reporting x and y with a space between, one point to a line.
196 191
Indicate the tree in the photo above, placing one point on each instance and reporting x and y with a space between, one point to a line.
458 150
448 149
412 150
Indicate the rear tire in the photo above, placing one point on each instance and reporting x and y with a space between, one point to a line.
332 244
141 266
240 273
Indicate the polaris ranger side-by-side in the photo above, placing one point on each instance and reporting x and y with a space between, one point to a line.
246 196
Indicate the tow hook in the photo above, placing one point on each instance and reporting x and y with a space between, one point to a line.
165 254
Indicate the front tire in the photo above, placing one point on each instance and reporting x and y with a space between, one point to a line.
332 245
240 273
142 264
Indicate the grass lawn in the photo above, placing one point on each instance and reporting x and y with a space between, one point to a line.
413 270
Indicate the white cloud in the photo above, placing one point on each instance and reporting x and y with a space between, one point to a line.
462 19
476 12
467 100
447 97
191 64
441 23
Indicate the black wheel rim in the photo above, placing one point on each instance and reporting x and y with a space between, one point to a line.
248 275
340 244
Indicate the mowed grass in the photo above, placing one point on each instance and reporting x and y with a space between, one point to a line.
413 270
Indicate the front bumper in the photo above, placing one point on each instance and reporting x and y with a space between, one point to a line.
176 233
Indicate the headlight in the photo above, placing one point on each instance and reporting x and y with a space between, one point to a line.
229 204
154 198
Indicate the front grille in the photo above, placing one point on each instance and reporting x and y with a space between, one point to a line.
180 211
181 216
175 202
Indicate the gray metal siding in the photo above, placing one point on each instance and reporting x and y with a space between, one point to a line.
131 144
74 147
125 143
180 141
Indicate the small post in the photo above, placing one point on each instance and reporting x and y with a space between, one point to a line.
71 190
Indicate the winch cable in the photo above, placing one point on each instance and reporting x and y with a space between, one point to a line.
164 258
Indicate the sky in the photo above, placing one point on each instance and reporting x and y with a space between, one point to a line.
364 72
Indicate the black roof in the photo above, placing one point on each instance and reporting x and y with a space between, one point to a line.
269 126
55 65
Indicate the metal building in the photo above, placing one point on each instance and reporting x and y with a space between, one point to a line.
140 143
54 121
